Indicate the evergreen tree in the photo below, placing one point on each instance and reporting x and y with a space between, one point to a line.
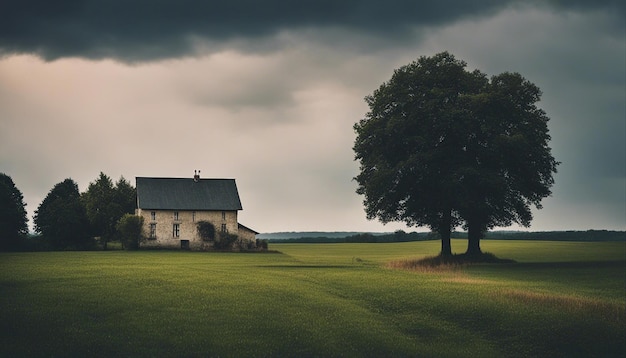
13 221
107 203
61 218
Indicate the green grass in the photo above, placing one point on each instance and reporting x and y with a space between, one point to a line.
561 299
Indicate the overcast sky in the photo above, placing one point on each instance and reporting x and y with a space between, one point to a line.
267 93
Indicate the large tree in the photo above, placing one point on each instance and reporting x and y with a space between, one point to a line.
13 221
507 166
102 210
442 146
61 217
409 144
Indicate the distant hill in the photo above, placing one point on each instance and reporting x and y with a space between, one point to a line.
309 234
401 236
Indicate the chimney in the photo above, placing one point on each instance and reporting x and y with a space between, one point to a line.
196 175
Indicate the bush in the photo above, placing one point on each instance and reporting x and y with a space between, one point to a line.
130 229
261 244
206 230
246 245
224 241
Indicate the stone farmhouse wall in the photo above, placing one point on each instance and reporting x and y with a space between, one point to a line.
246 234
165 235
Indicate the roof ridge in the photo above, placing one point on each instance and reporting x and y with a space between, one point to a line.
187 193
184 178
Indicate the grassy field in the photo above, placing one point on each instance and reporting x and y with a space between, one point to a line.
561 299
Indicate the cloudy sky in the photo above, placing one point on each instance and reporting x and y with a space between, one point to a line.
267 93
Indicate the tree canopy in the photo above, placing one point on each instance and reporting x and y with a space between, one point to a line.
13 221
442 147
61 217
507 166
106 203
126 195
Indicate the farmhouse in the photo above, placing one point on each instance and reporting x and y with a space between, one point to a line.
172 207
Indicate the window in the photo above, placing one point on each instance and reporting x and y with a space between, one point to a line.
223 227
223 216
176 230
175 215
153 215
193 216
153 231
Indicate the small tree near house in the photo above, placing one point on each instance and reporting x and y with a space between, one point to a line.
129 228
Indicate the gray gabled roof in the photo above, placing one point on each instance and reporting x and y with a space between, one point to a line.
187 194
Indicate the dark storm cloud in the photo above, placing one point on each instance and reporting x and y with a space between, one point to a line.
153 29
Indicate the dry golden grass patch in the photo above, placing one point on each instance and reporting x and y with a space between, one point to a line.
438 264
420 265
453 272
614 312
461 277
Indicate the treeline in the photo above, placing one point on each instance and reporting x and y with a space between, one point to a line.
398 236
589 235
401 236
300 234
67 219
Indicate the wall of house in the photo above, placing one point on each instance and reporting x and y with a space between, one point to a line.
187 221
247 234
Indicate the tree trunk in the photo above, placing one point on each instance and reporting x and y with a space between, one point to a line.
446 247
474 234
445 232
